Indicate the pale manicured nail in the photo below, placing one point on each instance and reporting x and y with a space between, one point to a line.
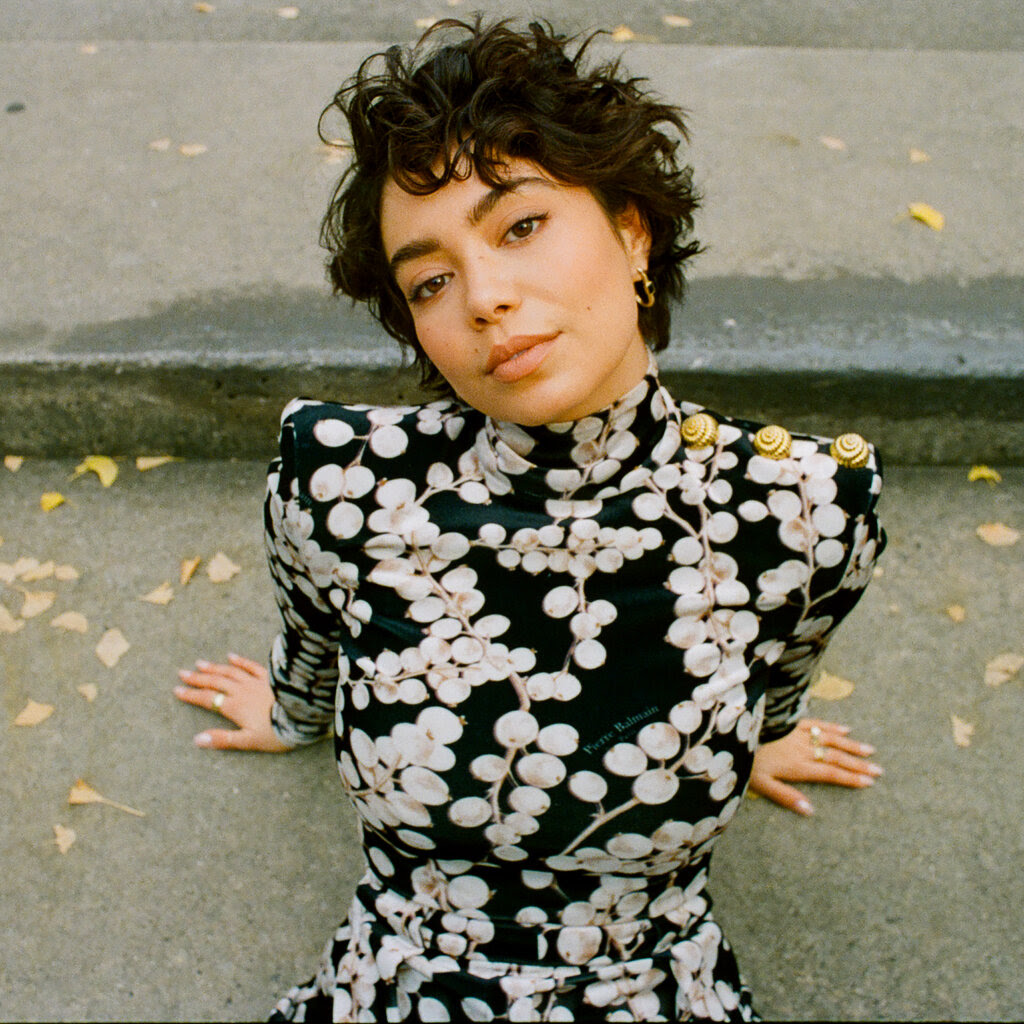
866 749
202 664
204 739
876 769
804 807
179 691
868 781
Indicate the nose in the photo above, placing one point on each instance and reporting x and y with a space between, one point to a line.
491 292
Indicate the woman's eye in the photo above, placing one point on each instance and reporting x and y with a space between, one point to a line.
429 287
525 227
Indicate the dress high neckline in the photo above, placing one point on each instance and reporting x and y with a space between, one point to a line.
589 458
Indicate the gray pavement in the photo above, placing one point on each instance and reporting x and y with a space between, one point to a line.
899 902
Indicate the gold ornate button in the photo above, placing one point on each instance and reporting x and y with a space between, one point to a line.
773 442
700 430
851 451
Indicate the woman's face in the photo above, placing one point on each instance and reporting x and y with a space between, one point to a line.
522 298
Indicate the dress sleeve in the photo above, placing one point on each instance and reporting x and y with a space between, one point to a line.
832 587
304 665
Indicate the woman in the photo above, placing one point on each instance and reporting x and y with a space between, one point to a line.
548 618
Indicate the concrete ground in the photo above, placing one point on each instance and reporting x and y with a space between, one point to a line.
899 902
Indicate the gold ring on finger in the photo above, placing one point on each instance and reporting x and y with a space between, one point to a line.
815 731
819 752
218 702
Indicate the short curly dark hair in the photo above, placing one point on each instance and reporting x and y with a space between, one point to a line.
424 118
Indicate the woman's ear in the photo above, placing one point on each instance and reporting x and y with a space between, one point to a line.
635 236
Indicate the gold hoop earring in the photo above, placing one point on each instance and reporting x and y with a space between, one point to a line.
645 295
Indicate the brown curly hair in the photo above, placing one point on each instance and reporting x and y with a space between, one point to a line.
424 118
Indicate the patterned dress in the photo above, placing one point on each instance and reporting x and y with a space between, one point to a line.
547 656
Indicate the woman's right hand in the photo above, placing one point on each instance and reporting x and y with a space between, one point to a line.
241 692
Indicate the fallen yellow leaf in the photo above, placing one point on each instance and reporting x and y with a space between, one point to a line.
33 713
957 612
164 594
39 572
25 565
962 731
288 13
188 569
676 21
623 34
63 837
192 149
426 22
65 573
927 215
830 687
102 465
112 647
160 145
144 462
918 156
88 49
1003 668
203 8
983 473
90 691
831 142
999 535
7 573
14 462
221 568
83 793
74 622
8 623
50 500
36 602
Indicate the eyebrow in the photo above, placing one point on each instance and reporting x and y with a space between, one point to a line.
483 206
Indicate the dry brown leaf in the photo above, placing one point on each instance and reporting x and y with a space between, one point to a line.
221 568
999 535
192 149
65 573
918 156
102 465
160 145
14 462
188 569
962 731
623 34
830 687
8 623
36 602
957 612
164 594
33 713
676 21
112 647
90 691
831 142
63 837
1003 668
144 462
983 473
74 622
288 13
83 793
41 571
50 500
927 215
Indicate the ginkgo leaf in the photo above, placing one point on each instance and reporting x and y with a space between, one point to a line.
74 622
831 142
1003 668
288 13
65 573
830 687
957 612
8 623
63 837
14 462
221 568
112 647
102 465
160 145
36 602
90 691
676 21
51 500
7 573
927 215
192 149
918 156
203 8
623 34
188 569
25 565
146 462
999 535
88 49
164 594
40 571
33 713
83 793
962 731
983 473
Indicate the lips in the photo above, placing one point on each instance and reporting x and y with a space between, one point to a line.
519 356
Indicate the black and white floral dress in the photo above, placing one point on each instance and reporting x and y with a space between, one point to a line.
547 655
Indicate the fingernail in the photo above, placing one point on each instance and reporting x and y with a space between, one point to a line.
804 807
202 664
868 781
204 739
184 673
232 654
179 690
866 749
876 769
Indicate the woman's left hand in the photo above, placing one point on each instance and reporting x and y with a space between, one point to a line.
815 751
